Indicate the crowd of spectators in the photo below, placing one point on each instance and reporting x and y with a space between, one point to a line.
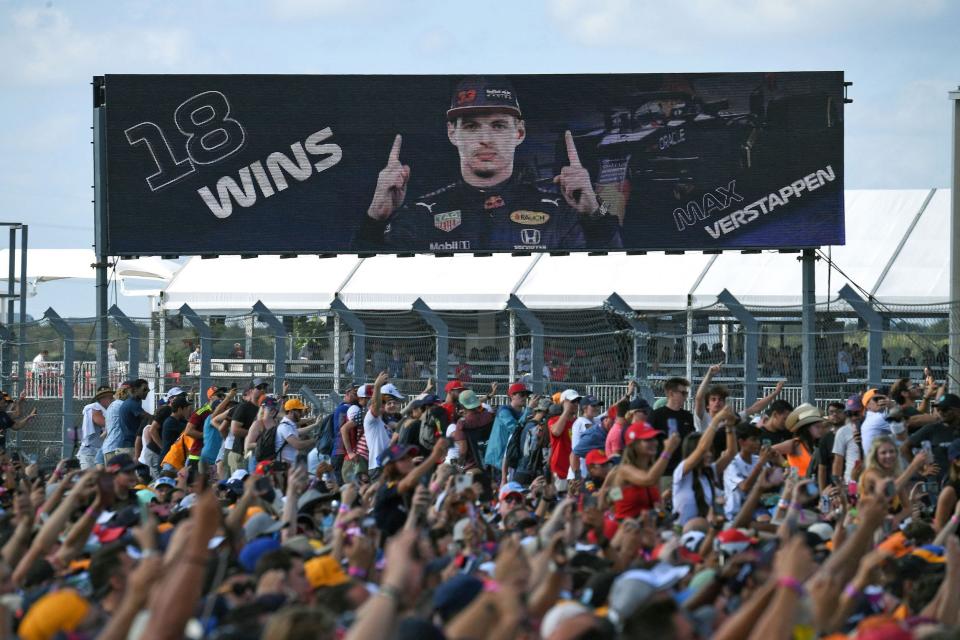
235 513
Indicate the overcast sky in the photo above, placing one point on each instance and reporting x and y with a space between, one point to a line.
902 57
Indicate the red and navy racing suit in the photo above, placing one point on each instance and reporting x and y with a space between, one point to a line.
511 216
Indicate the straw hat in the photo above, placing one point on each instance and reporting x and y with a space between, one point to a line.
803 415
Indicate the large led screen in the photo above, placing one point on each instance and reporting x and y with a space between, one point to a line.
247 164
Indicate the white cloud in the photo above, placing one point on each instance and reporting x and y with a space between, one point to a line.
44 46
674 26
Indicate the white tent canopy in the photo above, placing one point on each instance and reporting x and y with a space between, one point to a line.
897 246
45 265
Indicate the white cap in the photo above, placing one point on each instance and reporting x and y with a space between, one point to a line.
560 613
362 390
239 474
173 393
570 394
390 389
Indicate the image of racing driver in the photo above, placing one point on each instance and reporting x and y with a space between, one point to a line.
490 208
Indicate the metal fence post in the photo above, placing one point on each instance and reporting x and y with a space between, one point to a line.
6 337
620 308
443 336
512 368
535 327
336 353
751 335
133 340
874 320
65 331
279 342
206 344
359 338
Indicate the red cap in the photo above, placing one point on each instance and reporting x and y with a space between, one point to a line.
732 536
454 385
640 431
516 387
597 457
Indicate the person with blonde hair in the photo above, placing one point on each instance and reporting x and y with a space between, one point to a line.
883 467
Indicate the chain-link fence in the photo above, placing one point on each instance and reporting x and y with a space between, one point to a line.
594 350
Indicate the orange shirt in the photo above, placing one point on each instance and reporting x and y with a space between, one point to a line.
800 461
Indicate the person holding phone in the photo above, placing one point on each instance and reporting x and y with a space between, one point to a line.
883 467
695 480
401 477
745 467
632 486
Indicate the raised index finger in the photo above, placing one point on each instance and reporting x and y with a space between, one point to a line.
572 156
395 149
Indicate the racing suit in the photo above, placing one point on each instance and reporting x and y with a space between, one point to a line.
511 216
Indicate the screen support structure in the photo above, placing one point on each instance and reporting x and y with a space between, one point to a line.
100 222
954 245
808 321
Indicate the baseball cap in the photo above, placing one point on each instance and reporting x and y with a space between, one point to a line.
821 530
453 385
480 94
596 457
659 402
455 594
692 540
324 571
294 404
258 382
215 390
173 393
517 387
543 405
868 395
164 481
469 399
554 410
639 404
732 541
559 614
948 401
635 587
390 389
510 488
640 431
121 462
394 453
423 401
853 404
954 451
261 525
54 613
569 394
590 400
365 391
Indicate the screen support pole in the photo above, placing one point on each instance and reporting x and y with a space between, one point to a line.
100 223
808 323
954 348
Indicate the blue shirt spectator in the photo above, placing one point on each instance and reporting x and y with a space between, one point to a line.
131 412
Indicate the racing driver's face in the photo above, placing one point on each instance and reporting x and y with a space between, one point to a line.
486 144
